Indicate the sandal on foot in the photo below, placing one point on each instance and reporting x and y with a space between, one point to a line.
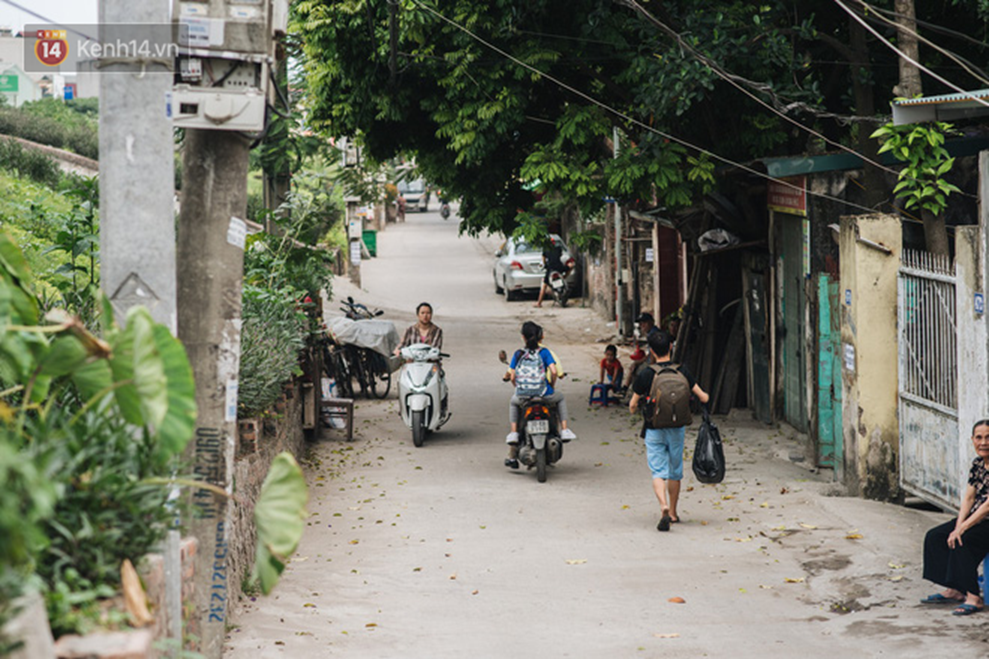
664 523
966 610
938 598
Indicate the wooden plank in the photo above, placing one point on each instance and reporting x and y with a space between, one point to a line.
731 367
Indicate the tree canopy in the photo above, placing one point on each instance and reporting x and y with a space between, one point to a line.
491 96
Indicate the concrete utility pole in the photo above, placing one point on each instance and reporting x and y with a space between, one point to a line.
222 79
619 311
137 217
211 267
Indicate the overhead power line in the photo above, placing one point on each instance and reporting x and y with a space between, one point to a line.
970 68
46 20
900 53
632 120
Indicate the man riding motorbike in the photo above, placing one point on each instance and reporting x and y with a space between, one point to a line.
552 262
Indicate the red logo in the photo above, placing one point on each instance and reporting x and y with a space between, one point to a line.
51 48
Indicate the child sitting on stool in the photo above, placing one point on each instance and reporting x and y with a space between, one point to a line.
612 372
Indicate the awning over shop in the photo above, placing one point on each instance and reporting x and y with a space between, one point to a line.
948 107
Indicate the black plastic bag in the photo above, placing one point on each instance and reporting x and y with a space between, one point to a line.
709 454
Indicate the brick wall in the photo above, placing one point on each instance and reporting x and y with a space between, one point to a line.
283 432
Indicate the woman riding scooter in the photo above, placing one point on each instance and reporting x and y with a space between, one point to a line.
532 334
423 398
423 331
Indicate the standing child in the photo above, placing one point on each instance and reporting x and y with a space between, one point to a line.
612 369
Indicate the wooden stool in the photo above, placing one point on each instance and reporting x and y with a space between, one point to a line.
340 408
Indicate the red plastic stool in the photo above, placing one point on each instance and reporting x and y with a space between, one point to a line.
599 394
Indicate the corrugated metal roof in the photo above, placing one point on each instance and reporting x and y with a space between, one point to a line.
946 98
947 107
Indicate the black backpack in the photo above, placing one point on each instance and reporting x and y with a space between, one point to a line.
669 397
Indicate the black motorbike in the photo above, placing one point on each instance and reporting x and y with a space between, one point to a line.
358 311
539 433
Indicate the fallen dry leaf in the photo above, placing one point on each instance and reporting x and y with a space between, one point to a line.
371 624
677 600
808 526
896 567
576 561
134 597
666 635
854 536
898 577
792 580
453 577
784 490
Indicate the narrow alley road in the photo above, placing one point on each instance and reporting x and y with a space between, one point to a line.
441 552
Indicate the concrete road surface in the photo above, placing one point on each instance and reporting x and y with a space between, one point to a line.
442 552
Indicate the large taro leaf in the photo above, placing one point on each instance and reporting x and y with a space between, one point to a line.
18 275
179 422
280 518
93 378
65 355
137 368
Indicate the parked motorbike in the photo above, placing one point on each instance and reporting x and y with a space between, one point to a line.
561 289
539 432
422 392
445 210
358 311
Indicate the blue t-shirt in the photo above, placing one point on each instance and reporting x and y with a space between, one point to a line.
547 358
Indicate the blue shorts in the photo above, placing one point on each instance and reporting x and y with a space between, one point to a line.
664 451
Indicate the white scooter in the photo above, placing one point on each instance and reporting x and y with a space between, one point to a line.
422 392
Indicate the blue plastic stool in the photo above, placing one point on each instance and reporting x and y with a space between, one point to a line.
599 394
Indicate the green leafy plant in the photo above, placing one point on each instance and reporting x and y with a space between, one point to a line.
921 147
280 516
87 423
29 163
273 332
922 181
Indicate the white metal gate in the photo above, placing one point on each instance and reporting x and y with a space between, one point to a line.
928 378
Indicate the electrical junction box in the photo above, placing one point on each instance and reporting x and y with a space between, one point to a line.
226 50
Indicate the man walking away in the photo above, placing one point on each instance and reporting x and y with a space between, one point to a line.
664 390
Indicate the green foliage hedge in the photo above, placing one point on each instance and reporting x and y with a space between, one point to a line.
29 163
272 334
42 123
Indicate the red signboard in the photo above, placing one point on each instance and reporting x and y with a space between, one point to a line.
788 195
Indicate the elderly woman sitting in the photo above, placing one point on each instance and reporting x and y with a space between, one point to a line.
953 550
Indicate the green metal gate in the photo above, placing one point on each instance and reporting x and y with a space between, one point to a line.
794 304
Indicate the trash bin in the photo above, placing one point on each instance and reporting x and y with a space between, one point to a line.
371 241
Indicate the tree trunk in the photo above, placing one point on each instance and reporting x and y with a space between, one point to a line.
935 233
910 84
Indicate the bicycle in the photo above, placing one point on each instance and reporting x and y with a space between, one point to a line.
337 366
376 372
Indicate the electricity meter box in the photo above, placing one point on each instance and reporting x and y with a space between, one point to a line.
226 50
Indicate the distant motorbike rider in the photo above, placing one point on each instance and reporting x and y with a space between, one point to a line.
552 262
532 334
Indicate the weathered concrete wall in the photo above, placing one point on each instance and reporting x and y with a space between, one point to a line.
973 364
600 273
870 248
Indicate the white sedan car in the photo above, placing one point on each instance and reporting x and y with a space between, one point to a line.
519 267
